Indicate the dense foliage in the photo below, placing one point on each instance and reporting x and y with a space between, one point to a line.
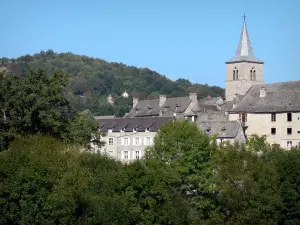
93 80
185 178
37 104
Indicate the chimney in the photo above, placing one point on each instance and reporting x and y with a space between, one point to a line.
162 100
193 97
262 92
135 101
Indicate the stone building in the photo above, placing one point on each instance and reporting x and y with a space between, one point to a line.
127 138
207 113
231 131
272 110
263 109
244 69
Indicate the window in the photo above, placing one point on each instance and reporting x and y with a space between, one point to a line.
289 145
137 141
289 130
254 75
235 74
110 141
243 117
207 130
126 155
273 117
126 142
137 154
110 153
148 139
273 131
251 75
289 117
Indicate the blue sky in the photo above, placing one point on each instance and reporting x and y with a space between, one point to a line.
180 39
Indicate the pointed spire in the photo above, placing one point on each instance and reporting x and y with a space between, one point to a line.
244 52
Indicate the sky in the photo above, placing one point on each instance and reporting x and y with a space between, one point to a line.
188 39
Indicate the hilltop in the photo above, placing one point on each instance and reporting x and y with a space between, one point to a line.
93 80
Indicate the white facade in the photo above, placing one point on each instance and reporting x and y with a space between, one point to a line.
126 146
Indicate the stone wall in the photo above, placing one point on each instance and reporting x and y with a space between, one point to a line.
242 85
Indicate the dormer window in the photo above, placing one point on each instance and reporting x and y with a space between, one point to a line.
235 74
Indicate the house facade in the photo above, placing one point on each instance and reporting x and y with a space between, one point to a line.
272 110
127 138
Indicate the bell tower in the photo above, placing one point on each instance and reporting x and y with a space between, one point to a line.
244 69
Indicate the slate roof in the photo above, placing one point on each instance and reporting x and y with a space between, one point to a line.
200 107
209 101
151 107
222 129
280 97
146 108
226 106
244 52
177 104
138 123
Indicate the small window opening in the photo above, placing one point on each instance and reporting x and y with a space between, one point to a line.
273 131
289 117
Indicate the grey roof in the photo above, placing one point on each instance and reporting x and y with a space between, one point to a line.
226 106
138 123
280 97
151 107
222 129
146 108
209 100
177 104
244 52
200 107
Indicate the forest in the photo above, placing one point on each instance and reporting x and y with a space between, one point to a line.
49 175
93 80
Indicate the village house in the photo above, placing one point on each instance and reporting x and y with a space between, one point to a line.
251 107
127 138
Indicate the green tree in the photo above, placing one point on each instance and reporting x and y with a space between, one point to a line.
247 184
188 152
83 129
42 182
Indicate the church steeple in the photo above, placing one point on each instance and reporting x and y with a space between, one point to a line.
244 52
244 69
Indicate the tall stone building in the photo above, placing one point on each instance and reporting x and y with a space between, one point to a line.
244 69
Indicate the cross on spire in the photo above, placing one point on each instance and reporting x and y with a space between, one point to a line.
244 17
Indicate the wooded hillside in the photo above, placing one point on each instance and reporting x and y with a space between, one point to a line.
93 80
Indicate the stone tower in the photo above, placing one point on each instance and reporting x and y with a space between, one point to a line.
244 69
